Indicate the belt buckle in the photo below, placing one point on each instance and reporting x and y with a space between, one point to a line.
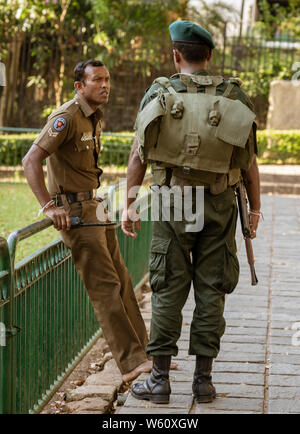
69 199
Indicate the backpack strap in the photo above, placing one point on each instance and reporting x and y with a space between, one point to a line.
232 81
228 90
165 82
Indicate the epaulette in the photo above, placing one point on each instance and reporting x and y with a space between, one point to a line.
235 80
68 108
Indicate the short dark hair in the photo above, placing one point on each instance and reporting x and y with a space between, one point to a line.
79 69
192 53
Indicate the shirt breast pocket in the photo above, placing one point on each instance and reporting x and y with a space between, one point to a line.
84 154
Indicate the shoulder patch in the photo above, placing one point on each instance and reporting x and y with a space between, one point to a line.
59 124
236 80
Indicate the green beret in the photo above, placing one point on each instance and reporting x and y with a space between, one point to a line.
185 31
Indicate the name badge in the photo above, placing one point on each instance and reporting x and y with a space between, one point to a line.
87 136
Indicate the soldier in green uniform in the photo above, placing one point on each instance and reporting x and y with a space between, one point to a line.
197 130
70 143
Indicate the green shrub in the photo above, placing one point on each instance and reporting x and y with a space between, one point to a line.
279 146
115 148
13 147
275 147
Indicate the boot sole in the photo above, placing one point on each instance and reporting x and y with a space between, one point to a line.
157 399
205 398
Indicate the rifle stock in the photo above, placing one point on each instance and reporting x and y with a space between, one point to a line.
244 219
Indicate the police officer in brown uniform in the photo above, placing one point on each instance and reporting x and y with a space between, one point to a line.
70 143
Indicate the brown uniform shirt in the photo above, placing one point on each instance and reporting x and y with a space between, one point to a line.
72 139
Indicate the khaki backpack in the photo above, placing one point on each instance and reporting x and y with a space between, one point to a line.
195 132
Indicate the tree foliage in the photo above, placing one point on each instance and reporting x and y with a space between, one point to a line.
135 31
276 18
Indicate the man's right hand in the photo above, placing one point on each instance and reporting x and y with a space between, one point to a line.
60 218
129 220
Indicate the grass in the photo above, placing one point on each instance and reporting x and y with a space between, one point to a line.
19 208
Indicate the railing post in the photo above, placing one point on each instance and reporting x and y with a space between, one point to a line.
7 366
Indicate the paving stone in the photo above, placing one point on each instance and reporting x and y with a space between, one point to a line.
231 404
284 369
243 339
87 412
284 406
250 331
105 378
183 345
284 380
238 367
106 392
285 358
282 325
183 356
245 309
88 404
241 347
282 340
249 299
286 318
112 367
151 410
229 356
214 411
185 337
176 401
182 387
284 349
255 316
287 332
238 378
181 375
240 391
277 392
185 366
242 322
146 315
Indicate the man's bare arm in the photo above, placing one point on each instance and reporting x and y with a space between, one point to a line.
253 192
33 169
135 175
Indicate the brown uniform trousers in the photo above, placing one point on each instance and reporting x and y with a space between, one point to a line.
97 258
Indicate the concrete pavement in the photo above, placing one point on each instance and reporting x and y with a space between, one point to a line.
258 368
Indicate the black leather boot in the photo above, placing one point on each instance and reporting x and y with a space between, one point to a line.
203 388
157 386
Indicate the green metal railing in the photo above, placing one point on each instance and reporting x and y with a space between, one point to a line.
48 318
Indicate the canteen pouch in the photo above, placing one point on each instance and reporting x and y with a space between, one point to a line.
148 124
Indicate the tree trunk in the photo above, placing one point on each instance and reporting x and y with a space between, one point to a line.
12 75
59 82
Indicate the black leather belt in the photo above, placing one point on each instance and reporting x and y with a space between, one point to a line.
74 197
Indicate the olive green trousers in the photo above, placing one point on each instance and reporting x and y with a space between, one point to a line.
97 258
207 259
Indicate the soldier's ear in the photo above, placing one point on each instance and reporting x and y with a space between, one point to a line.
176 56
78 85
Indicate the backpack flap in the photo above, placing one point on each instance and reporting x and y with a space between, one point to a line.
235 123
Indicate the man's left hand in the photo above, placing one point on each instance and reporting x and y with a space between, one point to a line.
253 220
